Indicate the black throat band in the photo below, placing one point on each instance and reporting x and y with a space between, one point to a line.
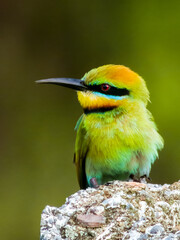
98 110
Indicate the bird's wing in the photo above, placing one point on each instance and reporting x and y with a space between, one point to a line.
81 150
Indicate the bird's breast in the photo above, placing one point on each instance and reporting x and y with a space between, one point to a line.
111 140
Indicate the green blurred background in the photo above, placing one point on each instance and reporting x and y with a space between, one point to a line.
42 39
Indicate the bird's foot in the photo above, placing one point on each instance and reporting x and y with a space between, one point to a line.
94 183
142 179
145 179
134 178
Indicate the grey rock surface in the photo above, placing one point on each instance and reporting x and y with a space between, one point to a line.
121 210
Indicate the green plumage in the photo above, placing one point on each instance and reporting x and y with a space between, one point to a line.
116 144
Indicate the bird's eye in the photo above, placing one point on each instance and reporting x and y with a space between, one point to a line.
105 87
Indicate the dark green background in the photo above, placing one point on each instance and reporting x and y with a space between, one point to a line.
42 39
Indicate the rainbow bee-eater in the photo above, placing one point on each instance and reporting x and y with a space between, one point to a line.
116 135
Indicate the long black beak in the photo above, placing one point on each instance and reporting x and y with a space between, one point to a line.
76 84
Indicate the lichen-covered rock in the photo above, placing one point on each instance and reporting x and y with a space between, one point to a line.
121 210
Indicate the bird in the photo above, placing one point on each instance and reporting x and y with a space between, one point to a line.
117 138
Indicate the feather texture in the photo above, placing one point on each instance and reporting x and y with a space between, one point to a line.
115 144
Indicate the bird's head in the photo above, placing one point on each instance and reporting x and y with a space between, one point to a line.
106 87
112 86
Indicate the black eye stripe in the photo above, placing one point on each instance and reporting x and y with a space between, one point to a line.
112 91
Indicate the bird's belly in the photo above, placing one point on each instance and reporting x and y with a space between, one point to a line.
110 160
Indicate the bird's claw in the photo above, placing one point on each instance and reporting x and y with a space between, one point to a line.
145 179
142 179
